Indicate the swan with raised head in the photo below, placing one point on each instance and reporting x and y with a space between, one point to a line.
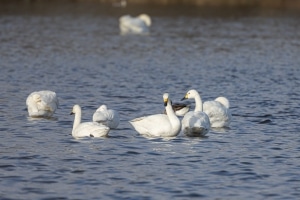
42 103
135 25
107 117
195 123
159 125
218 112
86 129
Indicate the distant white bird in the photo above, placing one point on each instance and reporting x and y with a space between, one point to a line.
159 125
195 123
86 129
107 117
180 109
218 112
42 103
121 3
135 25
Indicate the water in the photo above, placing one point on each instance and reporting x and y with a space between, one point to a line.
251 59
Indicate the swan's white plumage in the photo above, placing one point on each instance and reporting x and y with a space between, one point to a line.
159 125
218 112
135 25
121 3
195 123
107 117
224 101
42 103
87 129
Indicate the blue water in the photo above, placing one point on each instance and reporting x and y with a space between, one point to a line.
251 59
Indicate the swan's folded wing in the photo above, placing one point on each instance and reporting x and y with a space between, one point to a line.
132 25
99 117
218 114
90 129
195 123
214 109
153 125
50 99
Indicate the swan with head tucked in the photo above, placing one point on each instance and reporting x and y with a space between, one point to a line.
86 129
218 112
135 25
42 103
107 117
195 123
159 125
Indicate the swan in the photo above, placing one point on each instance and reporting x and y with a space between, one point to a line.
195 123
86 129
107 117
158 125
180 109
135 25
121 3
42 103
218 112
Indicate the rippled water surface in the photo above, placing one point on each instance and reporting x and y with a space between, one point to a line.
254 60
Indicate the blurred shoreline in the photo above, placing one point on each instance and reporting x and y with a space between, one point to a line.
278 4
156 7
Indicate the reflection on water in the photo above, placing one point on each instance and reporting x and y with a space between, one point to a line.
251 59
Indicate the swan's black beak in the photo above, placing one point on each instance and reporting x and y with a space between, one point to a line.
71 113
165 102
185 97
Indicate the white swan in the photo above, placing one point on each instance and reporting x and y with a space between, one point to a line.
135 25
218 112
195 123
180 109
86 129
107 117
159 125
42 103
121 3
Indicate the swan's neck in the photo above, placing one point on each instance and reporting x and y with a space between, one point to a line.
77 119
174 121
198 103
171 114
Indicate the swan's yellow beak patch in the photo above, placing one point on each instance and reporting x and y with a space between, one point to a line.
185 97
165 101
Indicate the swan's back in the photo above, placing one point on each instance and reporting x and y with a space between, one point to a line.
218 114
153 125
135 25
42 103
224 101
90 129
107 117
195 124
